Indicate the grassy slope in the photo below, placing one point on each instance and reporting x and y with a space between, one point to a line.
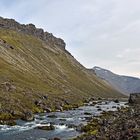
36 69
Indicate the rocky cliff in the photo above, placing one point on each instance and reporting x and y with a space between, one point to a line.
37 73
30 29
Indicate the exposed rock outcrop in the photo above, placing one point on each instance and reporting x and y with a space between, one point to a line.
28 116
134 98
30 29
4 44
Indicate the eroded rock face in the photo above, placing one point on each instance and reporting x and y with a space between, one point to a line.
4 44
134 98
30 29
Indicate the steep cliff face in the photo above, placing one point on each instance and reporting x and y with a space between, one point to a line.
37 73
30 29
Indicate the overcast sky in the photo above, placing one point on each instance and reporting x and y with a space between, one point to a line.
103 33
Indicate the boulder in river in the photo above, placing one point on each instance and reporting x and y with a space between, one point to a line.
114 107
116 101
52 116
8 122
99 109
46 127
28 116
55 139
87 113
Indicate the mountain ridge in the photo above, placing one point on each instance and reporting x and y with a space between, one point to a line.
31 29
97 67
125 84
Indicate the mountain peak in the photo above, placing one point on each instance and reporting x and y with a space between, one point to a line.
124 84
97 68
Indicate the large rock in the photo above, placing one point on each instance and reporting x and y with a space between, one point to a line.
28 116
134 98
55 138
47 127
8 122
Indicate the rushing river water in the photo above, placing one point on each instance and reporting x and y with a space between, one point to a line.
65 123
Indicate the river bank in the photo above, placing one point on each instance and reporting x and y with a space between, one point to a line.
9 117
64 125
123 124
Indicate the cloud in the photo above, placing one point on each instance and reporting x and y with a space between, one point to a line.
97 32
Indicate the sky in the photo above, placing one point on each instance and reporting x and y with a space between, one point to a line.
104 33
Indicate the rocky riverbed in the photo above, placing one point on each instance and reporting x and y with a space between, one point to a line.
63 125
123 124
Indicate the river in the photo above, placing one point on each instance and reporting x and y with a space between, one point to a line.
65 123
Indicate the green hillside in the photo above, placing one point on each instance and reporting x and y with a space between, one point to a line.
33 71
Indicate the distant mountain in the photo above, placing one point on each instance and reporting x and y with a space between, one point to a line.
124 84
